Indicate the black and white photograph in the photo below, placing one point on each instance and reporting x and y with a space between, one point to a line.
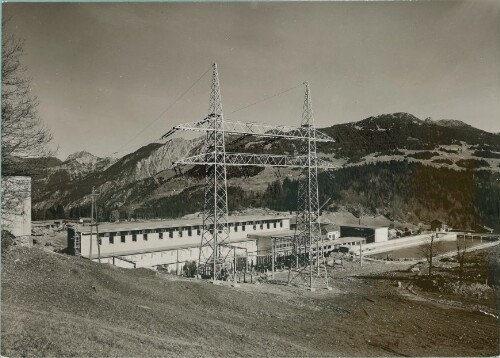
250 179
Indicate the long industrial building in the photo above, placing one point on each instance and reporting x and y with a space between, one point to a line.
168 243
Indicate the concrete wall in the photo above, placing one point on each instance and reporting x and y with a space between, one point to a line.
16 205
381 234
174 258
332 235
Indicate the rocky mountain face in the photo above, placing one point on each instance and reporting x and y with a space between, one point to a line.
81 164
70 183
373 155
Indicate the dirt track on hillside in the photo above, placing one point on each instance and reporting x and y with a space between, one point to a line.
55 305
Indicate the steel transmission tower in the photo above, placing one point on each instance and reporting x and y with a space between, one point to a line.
215 213
215 245
308 229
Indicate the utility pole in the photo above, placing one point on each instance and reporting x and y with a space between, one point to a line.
360 253
91 221
94 223
272 255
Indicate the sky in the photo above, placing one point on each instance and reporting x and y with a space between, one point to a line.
106 73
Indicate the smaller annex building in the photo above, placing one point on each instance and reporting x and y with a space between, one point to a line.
370 233
169 244
16 205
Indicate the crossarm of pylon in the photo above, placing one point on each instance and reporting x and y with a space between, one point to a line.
255 129
259 160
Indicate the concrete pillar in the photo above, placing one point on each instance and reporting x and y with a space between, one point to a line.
177 263
272 257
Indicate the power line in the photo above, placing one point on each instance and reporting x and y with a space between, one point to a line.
163 112
265 99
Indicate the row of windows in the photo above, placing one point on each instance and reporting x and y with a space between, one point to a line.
111 236
170 232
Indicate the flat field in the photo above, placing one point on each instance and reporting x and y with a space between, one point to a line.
416 252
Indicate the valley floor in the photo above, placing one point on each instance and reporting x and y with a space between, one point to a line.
57 305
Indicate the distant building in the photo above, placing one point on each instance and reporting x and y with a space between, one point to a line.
370 233
16 205
481 229
333 235
47 224
438 225
166 243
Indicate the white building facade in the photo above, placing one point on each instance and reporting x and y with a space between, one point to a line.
166 243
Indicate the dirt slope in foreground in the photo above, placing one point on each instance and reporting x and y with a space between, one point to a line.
54 305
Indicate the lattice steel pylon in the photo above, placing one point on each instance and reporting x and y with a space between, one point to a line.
215 212
215 246
308 229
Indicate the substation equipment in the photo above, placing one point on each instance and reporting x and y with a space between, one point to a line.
216 255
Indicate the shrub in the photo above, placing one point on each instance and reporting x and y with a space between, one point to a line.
422 155
472 163
477 290
7 241
443 161
448 150
486 154
190 269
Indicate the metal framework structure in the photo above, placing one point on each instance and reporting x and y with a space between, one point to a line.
260 160
308 229
254 129
214 252
77 242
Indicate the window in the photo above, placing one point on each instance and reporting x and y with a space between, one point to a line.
262 226
254 227
145 237
268 225
170 234
243 227
190 233
160 235
275 224
198 232
122 238
134 237
236 227
180 233
111 240
281 223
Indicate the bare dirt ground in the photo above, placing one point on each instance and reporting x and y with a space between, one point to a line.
57 305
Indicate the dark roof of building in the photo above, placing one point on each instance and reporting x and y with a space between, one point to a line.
364 226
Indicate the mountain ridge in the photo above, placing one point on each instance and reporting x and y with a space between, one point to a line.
143 181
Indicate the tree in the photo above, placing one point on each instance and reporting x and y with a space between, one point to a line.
430 249
25 139
23 133
190 269
114 216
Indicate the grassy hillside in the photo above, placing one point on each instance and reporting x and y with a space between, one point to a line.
55 305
